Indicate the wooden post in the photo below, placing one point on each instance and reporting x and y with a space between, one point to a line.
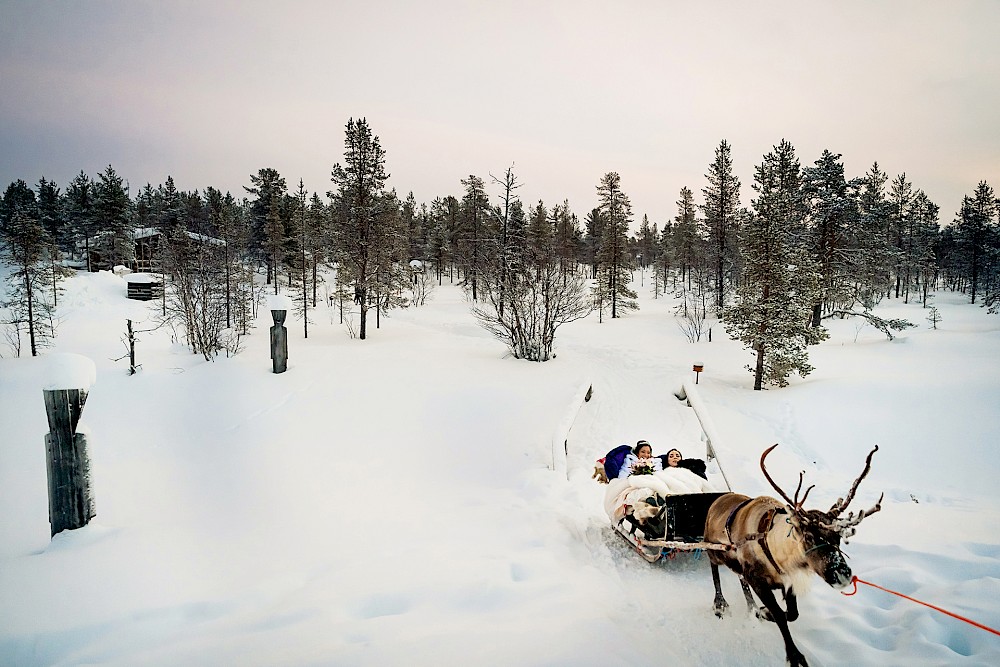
71 500
279 342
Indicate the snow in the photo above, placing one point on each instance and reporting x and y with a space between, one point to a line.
143 278
392 502
69 371
279 302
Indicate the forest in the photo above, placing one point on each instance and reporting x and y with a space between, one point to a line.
805 244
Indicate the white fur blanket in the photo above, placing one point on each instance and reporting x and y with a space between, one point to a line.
624 492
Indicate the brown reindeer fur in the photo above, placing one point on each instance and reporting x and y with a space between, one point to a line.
749 559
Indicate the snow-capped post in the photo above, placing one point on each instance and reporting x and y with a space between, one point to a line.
279 305
697 368
67 463
560 438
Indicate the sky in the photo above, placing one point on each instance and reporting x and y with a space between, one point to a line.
564 92
393 501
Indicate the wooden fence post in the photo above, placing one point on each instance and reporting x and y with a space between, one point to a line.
279 342
279 305
67 463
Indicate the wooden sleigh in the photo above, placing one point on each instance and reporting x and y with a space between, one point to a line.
679 528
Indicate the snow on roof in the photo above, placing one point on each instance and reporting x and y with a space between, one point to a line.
145 232
149 232
142 278
279 302
69 371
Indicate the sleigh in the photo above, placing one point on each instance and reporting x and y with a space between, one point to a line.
661 513
679 528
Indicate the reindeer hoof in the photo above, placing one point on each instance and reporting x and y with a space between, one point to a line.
721 610
764 614
797 661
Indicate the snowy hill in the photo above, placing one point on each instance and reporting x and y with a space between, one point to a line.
390 501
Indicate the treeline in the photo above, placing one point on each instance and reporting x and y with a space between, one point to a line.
811 244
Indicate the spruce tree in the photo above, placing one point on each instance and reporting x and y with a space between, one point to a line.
474 233
722 218
614 257
900 208
80 211
367 225
17 198
30 299
976 235
269 189
832 217
113 217
872 260
780 284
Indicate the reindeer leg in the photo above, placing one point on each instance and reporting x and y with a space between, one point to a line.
720 606
793 655
791 605
751 603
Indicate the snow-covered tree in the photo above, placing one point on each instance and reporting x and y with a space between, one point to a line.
722 220
113 218
370 246
832 216
535 301
475 233
976 236
781 281
872 255
614 261
268 231
29 305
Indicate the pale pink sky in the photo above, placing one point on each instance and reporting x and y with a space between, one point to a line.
210 92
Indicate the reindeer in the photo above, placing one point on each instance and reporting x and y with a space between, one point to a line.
775 545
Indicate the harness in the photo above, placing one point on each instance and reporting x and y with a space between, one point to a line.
763 528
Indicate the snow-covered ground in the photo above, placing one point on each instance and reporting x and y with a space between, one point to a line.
390 501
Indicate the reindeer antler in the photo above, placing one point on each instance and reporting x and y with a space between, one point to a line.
846 526
841 504
776 487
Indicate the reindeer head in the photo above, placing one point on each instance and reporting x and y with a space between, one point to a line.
821 532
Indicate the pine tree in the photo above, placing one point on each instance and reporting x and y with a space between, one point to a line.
268 233
474 233
568 238
833 215
900 205
51 213
367 221
613 256
171 214
722 217
594 226
440 236
30 301
872 262
113 217
920 235
17 198
780 284
416 235
685 242
540 234
976 234
80 211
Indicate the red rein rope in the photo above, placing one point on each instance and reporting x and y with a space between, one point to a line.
855 581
